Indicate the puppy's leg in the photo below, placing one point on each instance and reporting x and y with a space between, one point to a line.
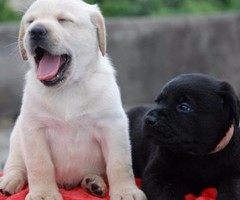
158 184
94 184
14 177
40 168
156 190
116 149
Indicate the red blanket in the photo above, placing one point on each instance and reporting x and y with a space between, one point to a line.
79 194
207 194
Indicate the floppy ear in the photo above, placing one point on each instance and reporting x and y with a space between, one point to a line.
21 34
98 20
230 99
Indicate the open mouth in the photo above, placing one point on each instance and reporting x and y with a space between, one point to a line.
51 69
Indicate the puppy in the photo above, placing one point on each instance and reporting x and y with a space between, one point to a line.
72 128
189 140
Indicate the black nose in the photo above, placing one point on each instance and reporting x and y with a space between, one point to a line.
38 32
151 120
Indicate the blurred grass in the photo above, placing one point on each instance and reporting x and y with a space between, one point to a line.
165 7
117 8
6 13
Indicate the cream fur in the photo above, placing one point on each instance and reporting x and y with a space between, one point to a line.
65 132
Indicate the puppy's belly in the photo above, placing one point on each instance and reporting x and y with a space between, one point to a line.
75 153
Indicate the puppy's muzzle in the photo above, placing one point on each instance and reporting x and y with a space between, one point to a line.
154 116
38 33
150 121
51 68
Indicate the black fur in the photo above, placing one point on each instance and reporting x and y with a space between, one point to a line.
172 140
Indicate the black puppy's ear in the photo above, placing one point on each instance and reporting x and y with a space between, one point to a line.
230 99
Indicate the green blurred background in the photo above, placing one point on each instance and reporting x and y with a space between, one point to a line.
6 13
118 8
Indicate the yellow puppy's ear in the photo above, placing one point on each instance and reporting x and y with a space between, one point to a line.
21 34
98 20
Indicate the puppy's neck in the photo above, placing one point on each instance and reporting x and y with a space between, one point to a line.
225 140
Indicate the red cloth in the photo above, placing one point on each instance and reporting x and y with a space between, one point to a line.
79 194
74 194
207 194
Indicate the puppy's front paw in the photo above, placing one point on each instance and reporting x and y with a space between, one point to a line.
95 185
44 195
12 183
128 194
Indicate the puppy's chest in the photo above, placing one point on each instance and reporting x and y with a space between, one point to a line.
70 134
74 149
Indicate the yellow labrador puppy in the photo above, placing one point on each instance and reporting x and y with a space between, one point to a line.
72 128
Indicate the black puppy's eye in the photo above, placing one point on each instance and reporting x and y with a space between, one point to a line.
184 107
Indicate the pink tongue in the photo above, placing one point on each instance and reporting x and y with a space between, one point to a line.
48 67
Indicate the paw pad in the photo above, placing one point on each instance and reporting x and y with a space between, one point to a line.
95 185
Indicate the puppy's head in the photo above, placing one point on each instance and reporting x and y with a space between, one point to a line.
192 115
61 38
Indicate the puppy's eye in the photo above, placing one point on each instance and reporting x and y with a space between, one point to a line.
63 19
60 19
184 107
31 20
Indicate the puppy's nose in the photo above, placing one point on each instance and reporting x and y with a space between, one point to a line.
38 32
150 120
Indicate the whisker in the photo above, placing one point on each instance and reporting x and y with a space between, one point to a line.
11 44
13 36
14 53
20 11
21 8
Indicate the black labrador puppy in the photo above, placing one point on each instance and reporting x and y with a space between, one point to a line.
189 140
